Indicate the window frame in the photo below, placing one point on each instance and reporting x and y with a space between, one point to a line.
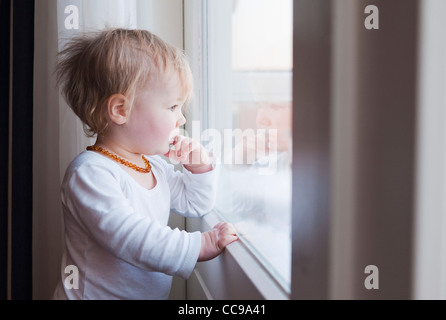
252 280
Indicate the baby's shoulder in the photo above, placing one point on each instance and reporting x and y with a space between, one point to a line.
160 164
89 162
158 161
92 173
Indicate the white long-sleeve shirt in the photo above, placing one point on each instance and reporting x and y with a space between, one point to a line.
116 232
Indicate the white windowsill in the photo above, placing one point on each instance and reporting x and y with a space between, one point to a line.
264 282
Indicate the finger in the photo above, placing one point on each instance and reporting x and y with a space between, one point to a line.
172 157
227 240
219 225
183 148
196 153
175 149
229 228
177 145
186 150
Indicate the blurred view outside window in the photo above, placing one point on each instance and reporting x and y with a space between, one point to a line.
255 187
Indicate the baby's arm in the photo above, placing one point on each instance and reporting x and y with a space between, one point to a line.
214 241
194 190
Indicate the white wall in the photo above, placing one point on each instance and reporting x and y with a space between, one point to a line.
430 222
47 218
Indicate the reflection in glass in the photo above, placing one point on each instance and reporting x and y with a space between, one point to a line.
255 188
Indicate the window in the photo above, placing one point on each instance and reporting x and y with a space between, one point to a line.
247 72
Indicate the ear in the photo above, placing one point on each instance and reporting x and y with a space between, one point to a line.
118 108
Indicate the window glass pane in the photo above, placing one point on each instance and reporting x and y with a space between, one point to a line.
262 35
255 185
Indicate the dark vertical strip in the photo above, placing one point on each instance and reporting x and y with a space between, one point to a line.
311 148
387 87
5 9
22 149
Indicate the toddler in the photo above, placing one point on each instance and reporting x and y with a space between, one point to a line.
129 88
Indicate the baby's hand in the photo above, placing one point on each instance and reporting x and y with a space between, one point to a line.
214 241
191 154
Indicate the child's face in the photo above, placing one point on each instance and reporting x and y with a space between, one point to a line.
156 115
276 116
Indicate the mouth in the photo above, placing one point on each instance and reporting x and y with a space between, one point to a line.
173 134
172 144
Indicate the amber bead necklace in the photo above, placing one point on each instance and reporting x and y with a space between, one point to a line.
126 163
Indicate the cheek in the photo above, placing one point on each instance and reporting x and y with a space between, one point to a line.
282 119
161 128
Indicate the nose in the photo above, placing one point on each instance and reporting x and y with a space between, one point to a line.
181 120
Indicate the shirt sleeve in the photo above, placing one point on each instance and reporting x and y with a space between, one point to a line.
92 195
192 195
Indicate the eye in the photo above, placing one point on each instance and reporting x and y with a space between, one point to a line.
173 108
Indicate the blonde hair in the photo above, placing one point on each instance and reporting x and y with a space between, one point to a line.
94 66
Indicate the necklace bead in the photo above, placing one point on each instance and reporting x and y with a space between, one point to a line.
124 162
